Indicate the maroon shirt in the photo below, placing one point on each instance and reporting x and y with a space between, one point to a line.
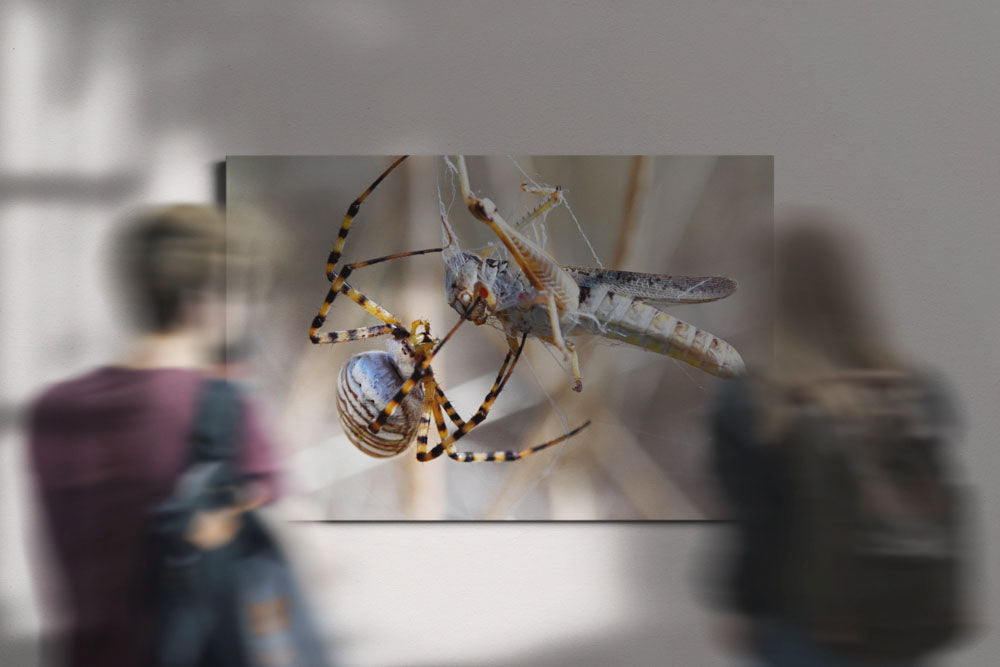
106 448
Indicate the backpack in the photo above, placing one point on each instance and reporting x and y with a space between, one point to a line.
238 604
875 536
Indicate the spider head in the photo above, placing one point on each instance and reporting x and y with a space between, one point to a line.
409 350
420 341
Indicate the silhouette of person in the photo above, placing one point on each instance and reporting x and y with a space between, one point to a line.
108 446
831 462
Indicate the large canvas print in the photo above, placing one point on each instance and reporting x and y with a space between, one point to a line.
504 337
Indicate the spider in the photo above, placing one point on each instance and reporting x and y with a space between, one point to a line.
381 413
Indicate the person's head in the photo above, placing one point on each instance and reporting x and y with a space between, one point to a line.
826 325
173 262
824 314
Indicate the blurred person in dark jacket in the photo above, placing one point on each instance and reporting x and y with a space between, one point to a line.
108 446
848 538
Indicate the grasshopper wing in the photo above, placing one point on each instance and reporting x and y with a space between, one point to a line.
654 287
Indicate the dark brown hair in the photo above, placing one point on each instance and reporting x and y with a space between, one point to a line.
169 257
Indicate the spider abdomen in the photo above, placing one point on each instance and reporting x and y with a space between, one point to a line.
367 382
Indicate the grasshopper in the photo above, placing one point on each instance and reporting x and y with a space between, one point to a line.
533 294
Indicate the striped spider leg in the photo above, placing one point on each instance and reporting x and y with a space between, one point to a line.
339 285
534 294
382 414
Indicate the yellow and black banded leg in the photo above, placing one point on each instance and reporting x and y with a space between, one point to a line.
340 286
483 411
466 457
418 373
425 426
472 457
464 427
442 430
345 226
449 408
513 354
355 334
